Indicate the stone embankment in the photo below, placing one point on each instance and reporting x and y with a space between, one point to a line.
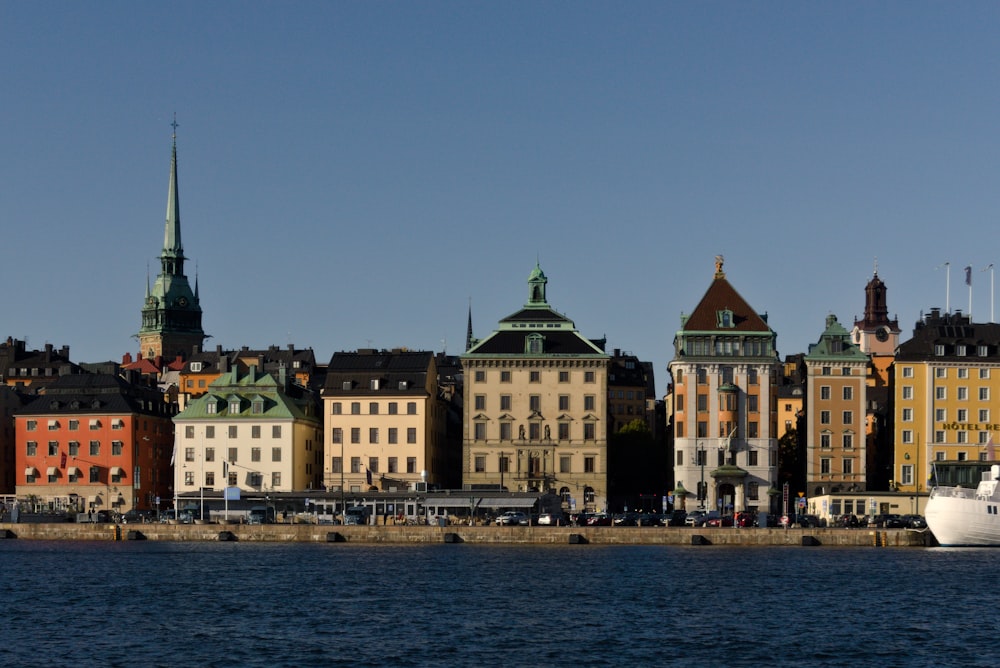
471 534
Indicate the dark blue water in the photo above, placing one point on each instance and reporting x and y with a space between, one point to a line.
240 604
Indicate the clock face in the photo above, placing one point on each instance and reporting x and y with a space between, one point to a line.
882 334
182 301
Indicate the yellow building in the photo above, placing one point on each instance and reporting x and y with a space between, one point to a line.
535 411
945 383
385 421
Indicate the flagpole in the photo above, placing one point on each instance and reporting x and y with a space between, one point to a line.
968 281
990 269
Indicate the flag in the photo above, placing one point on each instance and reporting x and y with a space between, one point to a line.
173 455
968 275
990 455
62 460
225 469
368 475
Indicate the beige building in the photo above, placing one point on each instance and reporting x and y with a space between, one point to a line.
836 446
535 407
385 421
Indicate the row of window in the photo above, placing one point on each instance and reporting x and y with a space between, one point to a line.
847 392
701 458
535 376
726 376
726 429
337 408
254 479
730 346
941 415
846 417
535 402
117 448
941 393
374 435
727 402
942 372
232 454
74 425
535 464
233 431
392 465
74 475
846 441
535 431
826 466
958 436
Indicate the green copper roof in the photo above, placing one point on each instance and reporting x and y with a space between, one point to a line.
835 344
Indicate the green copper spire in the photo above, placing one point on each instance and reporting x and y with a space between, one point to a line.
536 287
173 250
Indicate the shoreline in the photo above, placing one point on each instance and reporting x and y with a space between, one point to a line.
534 535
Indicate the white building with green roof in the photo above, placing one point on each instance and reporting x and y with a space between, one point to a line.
251 431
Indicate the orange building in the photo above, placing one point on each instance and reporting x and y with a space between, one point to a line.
94 442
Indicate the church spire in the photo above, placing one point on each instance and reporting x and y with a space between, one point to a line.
173 250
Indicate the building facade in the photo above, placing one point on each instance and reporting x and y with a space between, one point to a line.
535 414
95 442
725 373
386 422
946 380
835 443
251 431
171 311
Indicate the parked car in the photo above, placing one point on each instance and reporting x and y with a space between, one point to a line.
138 516
891 521
599 520
848 521
550 519
626 520
914 521
808 521
675 519
745 519
719 521
695 518
512 518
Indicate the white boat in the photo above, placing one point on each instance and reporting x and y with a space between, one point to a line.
962 516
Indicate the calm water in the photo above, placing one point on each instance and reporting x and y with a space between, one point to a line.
240 604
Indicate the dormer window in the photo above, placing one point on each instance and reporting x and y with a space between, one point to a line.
373 384
346 385
234 405
534 344
195 367
724 319
257 405
402 384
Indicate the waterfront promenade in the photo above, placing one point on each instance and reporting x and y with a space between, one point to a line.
313 533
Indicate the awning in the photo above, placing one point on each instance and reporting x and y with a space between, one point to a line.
95 423
73 470
30 471
116 470
53 423
51 471
452 502
117 423
500 502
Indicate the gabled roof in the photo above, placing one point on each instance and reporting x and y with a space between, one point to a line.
296 403
722 296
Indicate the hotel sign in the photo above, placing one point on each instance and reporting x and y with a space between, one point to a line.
968 426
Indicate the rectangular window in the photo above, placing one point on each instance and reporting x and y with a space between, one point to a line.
984 394
393 435
589 431
255 454
589 377
373 435
411 435
336 465
276 431
373 464
479 402
393 465
848 417
824 392
54 448
95 448
535 402
210 431
209 454
534 431
963 394
231 455
505 402
189 431
116 448
752 430
848 393
32 425
907 392
940 393
74 425
393 408
589 402
480 376
564 402
275 479
906 474
189 478
355 434
534 377
824 417
984 415
275 454
752 458
589 464
373 408
824 441
209 478
563 431
907 415
680 458
74 448
564 376
411 408
336 408
233 431
255 431
848 441
907 372
338 435
355 464
505 376
824 465
480 431
752 403
411 464
355 408
702 403
32 448
189 454
480 464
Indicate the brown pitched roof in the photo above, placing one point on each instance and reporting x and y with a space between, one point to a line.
722 296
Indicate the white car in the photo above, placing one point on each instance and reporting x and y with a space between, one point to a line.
512 518
550 519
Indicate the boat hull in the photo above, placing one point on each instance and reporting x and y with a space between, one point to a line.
961 518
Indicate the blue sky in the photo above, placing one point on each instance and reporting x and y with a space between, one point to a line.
355 174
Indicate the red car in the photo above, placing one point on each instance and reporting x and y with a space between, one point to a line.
724 521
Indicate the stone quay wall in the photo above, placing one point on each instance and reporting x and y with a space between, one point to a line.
537 535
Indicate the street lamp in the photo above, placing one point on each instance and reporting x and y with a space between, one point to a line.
701 485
